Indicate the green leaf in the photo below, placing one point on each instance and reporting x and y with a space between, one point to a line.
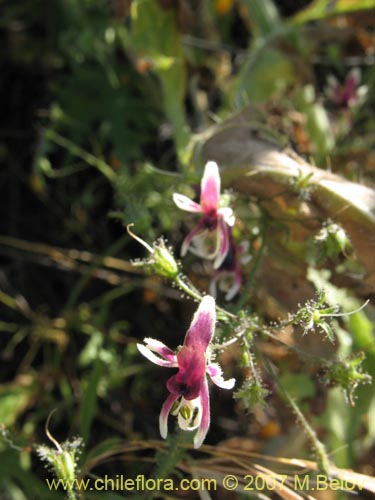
155 35
267 72
327 330
15 398
319 9
264 15
103 447
363 333
88 405
317 122
166 460
12 474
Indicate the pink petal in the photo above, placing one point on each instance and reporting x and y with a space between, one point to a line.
147 353
223 243
210 188
205 421
165 410
191 369
202 326
186 203
160 348
216 374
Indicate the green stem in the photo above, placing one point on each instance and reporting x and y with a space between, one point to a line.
75 150
186 288
84 280
189 290
322 457
166 460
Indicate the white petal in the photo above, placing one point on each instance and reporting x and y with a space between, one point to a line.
233 290
191 424
222 247
160 348
227 214
204 244
213 288
186 203
147 353
163 418
216 374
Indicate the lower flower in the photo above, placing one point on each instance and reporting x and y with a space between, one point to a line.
188 388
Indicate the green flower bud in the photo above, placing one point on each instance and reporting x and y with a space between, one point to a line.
161 260
348 374
62 459
164 263
333 240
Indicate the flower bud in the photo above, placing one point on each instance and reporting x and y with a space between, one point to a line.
162 260
63 459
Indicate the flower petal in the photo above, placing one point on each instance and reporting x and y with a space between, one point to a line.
194 421
165 410
216 374
204 244
147 353
188 239
353 78
227 281
160 348
223 243
210 188
205 419
186 203
191 369
213 285
235 288
227 215
202 326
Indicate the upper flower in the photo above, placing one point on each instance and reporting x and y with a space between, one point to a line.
210 238
188 388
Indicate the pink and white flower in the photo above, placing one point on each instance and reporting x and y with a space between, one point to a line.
348 94
228 278
188 389
210 238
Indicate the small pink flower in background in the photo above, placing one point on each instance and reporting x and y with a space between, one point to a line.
188 388
228 278
348 94
210 238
